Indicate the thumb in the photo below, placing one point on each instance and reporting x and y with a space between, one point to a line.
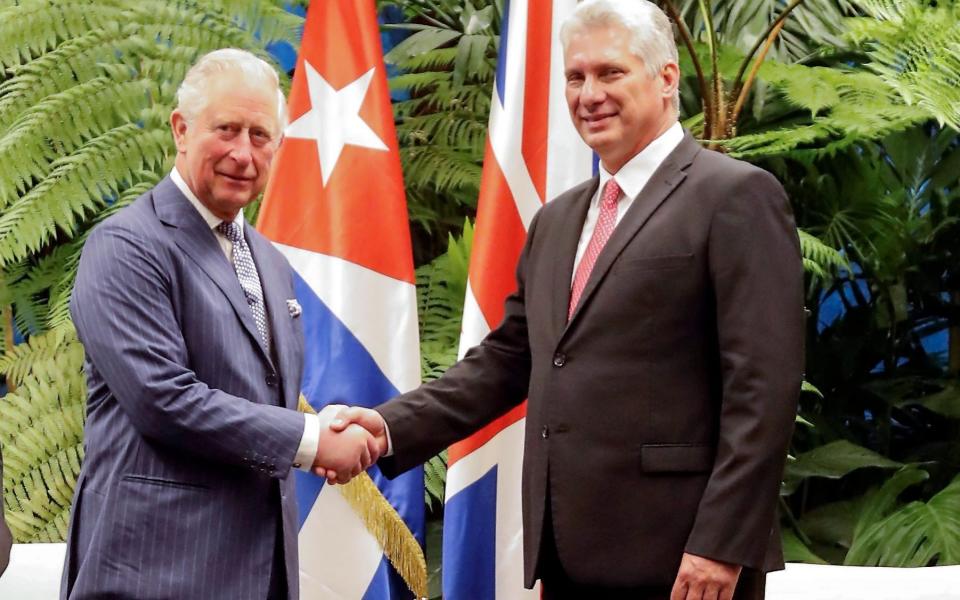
344 417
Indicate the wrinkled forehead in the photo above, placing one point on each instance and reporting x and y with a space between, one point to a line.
232 94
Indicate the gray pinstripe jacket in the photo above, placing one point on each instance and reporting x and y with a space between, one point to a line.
191 427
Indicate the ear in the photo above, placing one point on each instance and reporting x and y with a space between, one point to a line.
178 124
670 74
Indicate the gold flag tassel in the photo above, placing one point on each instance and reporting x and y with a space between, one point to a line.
385 525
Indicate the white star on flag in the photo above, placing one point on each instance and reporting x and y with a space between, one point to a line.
333 120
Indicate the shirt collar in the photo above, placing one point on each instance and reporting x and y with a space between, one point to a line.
211 219
633 176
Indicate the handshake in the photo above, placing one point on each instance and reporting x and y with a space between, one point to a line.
351 439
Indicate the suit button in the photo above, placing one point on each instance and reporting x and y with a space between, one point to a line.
271 379
545 432
559 359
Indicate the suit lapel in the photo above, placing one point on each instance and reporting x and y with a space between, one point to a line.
661 184
192 234
568 239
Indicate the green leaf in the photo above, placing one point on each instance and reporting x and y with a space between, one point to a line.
832 523
478 20
917 535
879 502
419 43
795 550
806 386
945 402
833 461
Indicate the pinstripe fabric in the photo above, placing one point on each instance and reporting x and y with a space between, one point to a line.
190 432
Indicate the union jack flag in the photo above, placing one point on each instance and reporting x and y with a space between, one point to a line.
533 153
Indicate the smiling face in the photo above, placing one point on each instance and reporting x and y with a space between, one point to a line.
616 105
224 153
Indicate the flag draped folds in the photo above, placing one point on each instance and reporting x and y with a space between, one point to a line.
335 206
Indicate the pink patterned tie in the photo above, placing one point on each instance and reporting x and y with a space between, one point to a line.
601 233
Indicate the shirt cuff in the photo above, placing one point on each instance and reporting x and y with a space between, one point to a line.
386 431
309 443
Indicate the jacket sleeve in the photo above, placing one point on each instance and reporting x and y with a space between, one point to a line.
757 277
492 378
123 311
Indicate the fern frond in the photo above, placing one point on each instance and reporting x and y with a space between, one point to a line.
75 61
441 289
819 258
439 59
41 433
39 136
79 184
440 168
435 480
33 27
914 47
452 129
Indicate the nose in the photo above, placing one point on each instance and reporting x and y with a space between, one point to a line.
591 93
241 151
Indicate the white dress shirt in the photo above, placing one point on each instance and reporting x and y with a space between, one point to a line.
310 440
632 177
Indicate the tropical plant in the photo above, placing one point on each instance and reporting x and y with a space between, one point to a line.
446 70
441 289
85 91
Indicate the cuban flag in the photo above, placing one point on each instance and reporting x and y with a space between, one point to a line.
335 206
533 153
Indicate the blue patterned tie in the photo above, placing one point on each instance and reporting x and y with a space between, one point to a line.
247 274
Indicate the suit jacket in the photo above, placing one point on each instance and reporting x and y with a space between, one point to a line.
191 426
660 414
6 541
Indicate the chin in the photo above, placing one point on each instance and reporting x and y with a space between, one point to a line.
598 140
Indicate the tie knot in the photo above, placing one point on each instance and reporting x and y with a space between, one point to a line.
230 230
611 194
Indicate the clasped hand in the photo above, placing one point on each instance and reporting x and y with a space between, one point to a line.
351 439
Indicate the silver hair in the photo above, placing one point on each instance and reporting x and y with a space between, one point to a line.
651 33
192 93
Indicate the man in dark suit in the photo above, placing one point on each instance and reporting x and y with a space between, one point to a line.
6 540
657 331
193 361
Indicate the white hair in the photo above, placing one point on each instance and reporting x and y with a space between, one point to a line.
651 33
192 93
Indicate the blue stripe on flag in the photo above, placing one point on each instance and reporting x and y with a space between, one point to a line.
386 578
502 58
338 369
471 515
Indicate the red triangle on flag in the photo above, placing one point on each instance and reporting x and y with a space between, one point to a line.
356 208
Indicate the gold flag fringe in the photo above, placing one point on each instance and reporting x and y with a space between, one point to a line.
385 525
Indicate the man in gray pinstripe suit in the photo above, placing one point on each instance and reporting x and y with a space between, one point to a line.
193 362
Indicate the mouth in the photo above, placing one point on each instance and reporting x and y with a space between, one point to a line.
597 121
237 179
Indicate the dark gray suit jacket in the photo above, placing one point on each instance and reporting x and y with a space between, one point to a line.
191 427
5 539
659 415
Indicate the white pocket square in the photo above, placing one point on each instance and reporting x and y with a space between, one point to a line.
293 307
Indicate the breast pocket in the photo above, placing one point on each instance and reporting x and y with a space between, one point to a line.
655 263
